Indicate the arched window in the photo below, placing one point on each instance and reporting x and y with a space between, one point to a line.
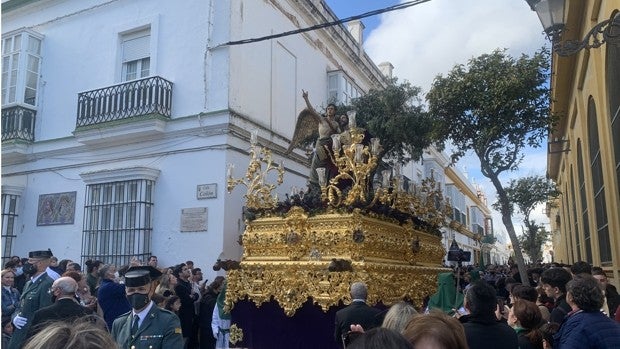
613 95
598 186
581 178
575 229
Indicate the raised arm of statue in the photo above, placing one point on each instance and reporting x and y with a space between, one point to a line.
309 106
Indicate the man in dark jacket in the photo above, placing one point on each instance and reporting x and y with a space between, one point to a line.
357 313
554 282
482 328
612 299
184 290
207 304
65 308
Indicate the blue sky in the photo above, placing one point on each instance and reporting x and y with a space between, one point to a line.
430 38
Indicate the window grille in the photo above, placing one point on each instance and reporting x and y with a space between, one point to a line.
118 221
9 216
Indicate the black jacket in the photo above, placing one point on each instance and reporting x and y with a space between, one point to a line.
64 309
486 332
356 313
560 310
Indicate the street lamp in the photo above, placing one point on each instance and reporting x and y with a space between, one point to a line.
551 15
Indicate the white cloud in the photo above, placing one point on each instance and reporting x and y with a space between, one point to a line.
429 39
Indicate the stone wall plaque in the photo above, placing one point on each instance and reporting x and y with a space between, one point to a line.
194 219
206 191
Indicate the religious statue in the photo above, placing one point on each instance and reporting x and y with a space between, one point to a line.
308 123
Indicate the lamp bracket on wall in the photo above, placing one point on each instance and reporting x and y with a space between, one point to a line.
605 31
558 146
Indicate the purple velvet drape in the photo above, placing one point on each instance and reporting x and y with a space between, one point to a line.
267 327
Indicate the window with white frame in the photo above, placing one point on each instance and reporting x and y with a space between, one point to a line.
136 55
341 88
477 220
457 200
21 64
118 221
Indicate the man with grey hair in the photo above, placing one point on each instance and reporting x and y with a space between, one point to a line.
357 313
586 326
65 307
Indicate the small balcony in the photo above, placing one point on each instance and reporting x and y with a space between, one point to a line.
18 124
17 133
124 112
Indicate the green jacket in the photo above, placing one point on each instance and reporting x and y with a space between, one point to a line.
161 329
35 296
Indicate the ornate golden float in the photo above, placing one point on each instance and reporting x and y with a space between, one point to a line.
387 237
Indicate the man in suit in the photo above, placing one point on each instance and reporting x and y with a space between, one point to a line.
146 325
65 308
357 313
34 297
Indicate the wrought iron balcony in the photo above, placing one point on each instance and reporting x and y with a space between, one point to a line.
18 123
148 96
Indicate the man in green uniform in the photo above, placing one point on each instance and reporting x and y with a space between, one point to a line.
35 296
146 325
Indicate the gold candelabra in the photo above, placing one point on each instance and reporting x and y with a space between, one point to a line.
355 163
259 192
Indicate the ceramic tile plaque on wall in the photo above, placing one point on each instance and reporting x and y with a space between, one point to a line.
56 209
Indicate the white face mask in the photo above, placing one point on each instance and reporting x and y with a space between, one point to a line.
19 271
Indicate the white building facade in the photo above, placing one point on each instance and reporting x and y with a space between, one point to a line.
119 118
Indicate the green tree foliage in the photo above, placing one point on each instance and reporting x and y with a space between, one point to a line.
525 194
395 115
532 240
495 107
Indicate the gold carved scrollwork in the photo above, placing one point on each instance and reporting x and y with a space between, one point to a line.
296 233
288 259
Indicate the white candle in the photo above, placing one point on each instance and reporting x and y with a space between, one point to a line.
320 171
351 115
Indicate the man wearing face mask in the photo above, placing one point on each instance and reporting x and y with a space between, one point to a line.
34 297
146 325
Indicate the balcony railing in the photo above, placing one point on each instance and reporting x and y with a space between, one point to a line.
18 123
149 96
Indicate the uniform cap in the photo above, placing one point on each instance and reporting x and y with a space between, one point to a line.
141 275
40 254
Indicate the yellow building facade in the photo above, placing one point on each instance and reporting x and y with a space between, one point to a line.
584 148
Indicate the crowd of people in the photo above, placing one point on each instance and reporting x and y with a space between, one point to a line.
47 303
559 306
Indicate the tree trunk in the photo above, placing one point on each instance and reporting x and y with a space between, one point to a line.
507 220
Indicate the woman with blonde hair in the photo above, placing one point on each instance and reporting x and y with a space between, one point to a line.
79 335
398 316
167 283
435 330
